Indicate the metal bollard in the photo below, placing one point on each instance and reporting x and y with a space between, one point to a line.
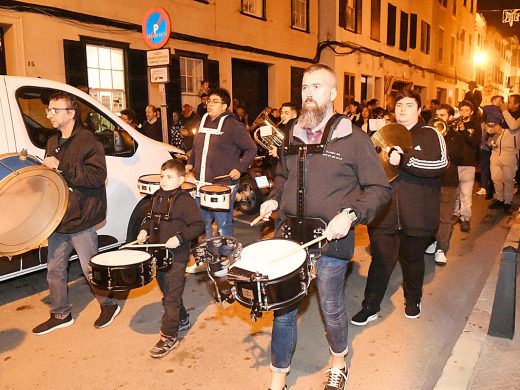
502 322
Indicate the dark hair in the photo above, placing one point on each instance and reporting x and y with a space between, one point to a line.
378 112
435 101
448 108
291 105
130 114
408 93
175 165
221 93
204 95
467 103
515 97
372 102
72 103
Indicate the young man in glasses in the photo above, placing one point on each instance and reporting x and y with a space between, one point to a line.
80 158
221 147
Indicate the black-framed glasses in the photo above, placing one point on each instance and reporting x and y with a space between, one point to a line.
54 111
213 101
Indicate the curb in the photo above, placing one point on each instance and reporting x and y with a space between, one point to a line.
458 371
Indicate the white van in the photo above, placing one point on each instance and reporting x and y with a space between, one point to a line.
24 125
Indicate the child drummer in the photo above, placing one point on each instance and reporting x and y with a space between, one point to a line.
175 220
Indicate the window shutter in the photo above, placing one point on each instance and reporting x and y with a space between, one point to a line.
137 82
342 13
75 56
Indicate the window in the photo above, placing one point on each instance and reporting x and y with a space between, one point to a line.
440 44
254 8
191 75
390 25
425 37
33 101
454 7
299 14
462 40
106 76
452 50
375 20
350 15
403 32
470 45
413 31
465 3
444 3
348 94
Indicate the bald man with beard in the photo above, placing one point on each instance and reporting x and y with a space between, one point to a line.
327 181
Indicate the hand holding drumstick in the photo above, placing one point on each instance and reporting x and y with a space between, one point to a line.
266 209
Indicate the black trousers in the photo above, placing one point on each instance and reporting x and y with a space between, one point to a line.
172 284
386 249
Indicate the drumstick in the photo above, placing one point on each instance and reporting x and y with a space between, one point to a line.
130 243
257 219
221 177
145 246
296 250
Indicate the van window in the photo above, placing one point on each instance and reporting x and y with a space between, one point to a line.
33 101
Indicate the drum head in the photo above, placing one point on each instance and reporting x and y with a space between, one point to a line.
215 189
153 178
264 257
120 258
33 201
188 186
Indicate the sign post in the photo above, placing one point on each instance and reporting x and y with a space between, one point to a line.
156 29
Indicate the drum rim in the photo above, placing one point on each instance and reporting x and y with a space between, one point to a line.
13 178
215 192
149 182
121 252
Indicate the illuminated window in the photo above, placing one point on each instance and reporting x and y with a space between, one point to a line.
106 76
299 14
254 8
191 75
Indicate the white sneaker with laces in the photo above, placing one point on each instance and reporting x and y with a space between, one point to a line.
440 257
431 249
481 191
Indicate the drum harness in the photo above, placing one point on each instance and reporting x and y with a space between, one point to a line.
300 227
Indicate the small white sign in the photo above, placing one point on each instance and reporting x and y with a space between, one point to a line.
158 57
159 75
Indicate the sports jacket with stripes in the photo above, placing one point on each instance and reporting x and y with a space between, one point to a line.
416 191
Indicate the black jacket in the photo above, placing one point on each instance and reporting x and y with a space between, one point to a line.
347 175
416 191
455 145
185 221
472 134
83 165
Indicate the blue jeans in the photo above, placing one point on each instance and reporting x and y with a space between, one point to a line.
331 291
60 248
223 219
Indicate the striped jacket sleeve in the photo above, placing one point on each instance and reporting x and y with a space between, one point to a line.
428 157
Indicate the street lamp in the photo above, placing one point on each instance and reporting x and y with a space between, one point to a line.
480 58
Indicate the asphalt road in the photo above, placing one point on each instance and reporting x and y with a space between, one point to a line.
224 349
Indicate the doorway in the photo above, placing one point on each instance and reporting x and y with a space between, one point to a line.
250 85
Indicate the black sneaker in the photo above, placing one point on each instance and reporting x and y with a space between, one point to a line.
337 378
184 324
163 347
497 204
412 309
107 315
363 317
53 323
507 208
464 226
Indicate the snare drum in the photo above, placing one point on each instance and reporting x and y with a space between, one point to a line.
33 200
215 197
190 188
148 184
121 270
273 282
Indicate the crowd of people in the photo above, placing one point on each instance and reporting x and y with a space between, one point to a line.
436 175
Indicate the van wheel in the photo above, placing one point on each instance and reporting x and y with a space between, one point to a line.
251 204
137 218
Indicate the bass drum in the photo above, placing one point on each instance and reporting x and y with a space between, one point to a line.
33 201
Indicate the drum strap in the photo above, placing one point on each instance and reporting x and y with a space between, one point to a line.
208 132
160 213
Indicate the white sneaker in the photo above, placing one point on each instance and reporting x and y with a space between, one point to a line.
440 257
482 191
195 269
431 249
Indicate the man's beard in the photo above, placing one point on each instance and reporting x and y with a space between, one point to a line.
311 115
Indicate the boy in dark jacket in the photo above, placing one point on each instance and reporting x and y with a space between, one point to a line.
175 220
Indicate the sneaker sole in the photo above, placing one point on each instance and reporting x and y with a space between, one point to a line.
118 310
158 356
415 316
64 325
184 327
440 263
371 318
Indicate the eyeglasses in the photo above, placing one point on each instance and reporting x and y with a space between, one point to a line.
212 101
54 111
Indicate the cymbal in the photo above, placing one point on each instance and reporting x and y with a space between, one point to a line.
387 137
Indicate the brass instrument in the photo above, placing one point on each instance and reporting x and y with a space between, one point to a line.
265 132
454 123
439 124
387 137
